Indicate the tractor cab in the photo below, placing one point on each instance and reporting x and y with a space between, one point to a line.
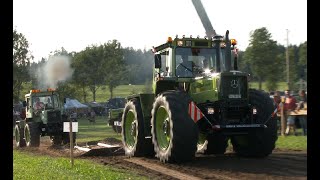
192 57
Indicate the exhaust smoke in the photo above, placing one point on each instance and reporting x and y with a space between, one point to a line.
56 70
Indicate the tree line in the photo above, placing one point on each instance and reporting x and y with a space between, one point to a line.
113 65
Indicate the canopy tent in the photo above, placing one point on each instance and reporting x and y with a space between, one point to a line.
74 104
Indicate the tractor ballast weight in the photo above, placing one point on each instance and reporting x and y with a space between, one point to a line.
44 117
199 101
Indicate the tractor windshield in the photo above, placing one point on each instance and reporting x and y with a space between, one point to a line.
193 62
45 102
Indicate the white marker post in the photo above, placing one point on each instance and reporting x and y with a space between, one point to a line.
70 127
71 142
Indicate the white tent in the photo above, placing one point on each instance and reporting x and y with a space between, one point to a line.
74 104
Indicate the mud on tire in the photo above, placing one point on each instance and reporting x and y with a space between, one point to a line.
32 134
214 144
174 134
261 142
133 136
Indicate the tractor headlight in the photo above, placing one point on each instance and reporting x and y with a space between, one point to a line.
254 111
210 110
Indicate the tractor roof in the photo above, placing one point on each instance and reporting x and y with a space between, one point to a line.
38 92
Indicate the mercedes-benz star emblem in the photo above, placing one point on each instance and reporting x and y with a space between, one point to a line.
234 83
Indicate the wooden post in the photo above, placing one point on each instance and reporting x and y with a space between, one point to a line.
71 142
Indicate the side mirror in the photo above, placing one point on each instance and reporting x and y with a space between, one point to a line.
24 103
157 61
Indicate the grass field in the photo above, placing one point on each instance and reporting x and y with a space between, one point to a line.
292 142
282 86
29 166
99 131
103 94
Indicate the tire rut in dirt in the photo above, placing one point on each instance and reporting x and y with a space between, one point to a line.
174 134
261 142
32 134
133 136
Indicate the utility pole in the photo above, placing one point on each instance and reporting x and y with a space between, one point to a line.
287 60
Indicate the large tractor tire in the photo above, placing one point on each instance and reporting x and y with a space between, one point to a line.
174 133
32 134
260 142
66 138
19 136
133 136
212 144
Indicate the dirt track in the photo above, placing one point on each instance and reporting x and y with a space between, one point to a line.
279 165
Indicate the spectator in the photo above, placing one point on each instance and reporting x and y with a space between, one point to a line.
277 98
302 104
277 101
93 116
290 105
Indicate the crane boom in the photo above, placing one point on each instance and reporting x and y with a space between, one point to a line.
210 32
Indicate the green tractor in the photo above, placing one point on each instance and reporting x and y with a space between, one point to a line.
116 106
44 117
200 101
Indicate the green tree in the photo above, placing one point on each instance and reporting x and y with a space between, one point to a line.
139 65
21 62
293 67
261 54
303 60
97 66
115 67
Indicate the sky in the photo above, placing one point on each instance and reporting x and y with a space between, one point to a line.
49 25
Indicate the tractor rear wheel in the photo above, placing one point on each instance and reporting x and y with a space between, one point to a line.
174 133
261 142
133 136
32 134
19 136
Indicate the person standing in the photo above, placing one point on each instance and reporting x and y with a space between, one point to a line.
290 105
302 104
278 104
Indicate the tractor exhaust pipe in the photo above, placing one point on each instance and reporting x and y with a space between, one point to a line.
228 52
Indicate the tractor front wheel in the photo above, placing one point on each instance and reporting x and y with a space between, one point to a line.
174 133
